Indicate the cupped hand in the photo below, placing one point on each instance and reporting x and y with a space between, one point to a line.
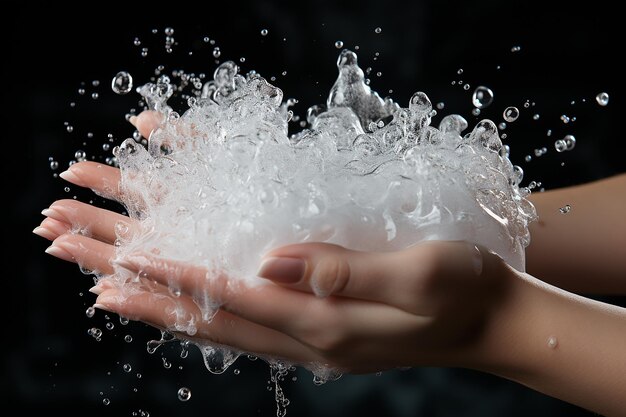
356 311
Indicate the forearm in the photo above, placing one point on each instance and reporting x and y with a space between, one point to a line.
560 344
583 250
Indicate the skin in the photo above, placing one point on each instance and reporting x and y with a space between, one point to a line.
434 304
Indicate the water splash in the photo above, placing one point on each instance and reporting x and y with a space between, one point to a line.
224 178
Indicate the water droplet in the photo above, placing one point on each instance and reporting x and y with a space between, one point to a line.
564 118
95 83
80 155
94 95
536 116
169 31
482 97
54 165
502 126
242 59
127 367
516 48
95 332
122 83
69 128
602 99
475 111
128 338
90 312
570 142
528 158
236 372
123 321
67 189
184 394
106 146
216 52
138 375
560 145
81 91
110 326
565 209
460 71
552 342
466 87
106 401
441 105
136 42
378 30
264 32
144 52
339 44
510 114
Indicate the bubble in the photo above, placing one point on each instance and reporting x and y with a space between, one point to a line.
339 44
54 165
106 146
166 363
516 48
81 91
90 312
560 145
169 31
128 338
264 32
138 375
109 326
536 116
502 126
552 342
66 189
216 52
69 128
136 42
122 83
510 114
565 209
184 394
482 97
127 367
476 111
378 30
466 87
236 372
106 401
528 158
602 99
123 320
95 333
565 119
94 95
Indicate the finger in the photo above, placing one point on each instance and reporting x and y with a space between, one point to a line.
162 310
85 251
306 318
102 179
146 122
100 223
51 229
407 279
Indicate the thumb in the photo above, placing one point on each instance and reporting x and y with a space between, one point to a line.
398 278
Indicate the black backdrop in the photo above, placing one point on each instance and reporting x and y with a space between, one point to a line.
50 363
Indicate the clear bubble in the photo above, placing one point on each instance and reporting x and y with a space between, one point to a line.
378 30
560 145
216 52
67 189
565 209
536 117
236 372
570 142
441 105
81 91
466 87
90 312
476 111
69 128
127 367
95 332
169 31
54 165
482 97
339 44
516 48
109 326
123 321
95 83
166 363
264 32
128 338
528 158
565 119
94 95
510 114
136 42
106 146
106 401
602 99
184 394
122 83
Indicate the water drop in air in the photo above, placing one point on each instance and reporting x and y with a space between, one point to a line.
106 401
54 165
169 31
510 114
184 394
90 312
516 48
378 30
128 338
217 52
339 44
602 99
127 367
565 209
264 32
482 97
122 83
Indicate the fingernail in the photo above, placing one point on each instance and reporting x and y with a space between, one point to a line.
45 233
133 120
70 176
286 270
50 212
60 253
102 307
100 287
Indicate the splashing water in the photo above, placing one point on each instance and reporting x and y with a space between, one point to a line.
224 179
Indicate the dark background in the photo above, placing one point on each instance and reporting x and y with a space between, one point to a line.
568 53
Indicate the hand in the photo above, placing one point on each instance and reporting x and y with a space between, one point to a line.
357 311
